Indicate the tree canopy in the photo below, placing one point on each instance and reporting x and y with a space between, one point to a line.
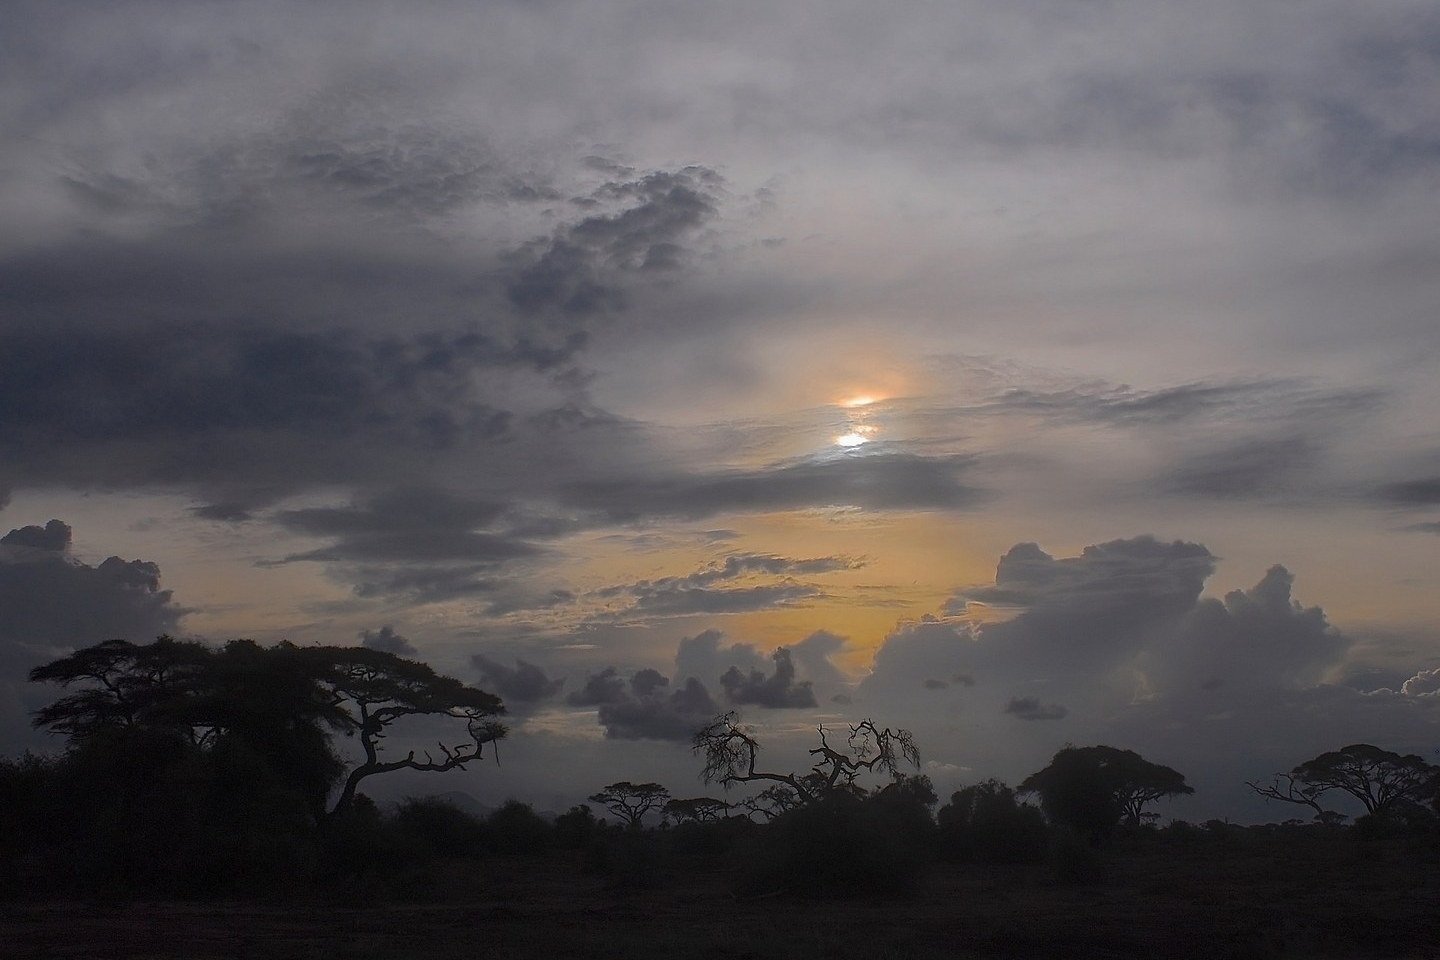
1091 789
1379 779
282 703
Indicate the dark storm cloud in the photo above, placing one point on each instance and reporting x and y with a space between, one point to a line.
49 600
1244 470
225 345
604 687
645 711
778 691
521 686
51 604
416 525
55 535
880 481
388 641
566 273
1029 708
658 717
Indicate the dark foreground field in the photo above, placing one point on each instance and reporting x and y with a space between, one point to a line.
1312 899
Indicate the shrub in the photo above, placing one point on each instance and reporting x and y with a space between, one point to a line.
516 829
839 844
984 823
435 828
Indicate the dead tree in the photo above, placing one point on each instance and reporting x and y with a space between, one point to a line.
731 751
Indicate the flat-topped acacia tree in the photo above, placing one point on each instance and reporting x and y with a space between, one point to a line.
631 801
283 702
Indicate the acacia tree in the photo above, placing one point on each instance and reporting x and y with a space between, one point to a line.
373 689
119 686
1381 780
1092 789
631 801
731 753
280 703
697 810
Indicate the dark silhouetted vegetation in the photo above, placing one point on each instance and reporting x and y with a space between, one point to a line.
985 823
1091 790
199 773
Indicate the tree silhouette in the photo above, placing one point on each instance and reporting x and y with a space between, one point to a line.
373 690
697 810
278 703
731 752
1381 780
631 801
1091 789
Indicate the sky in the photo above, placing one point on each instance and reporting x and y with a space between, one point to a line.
1020 375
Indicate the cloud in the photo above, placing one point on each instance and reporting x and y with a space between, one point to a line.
879 481
387 640
1420 492
605 687
1247 469
522 686
48 600
695 593
1029 708
413 525
565 273
1432 526
1426 683
1126 406
779 691
54 536
51 603
645 711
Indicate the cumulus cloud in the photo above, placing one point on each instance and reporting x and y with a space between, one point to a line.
388 641
605 687
51 603
1426 683
1030 708
521 686
645 711
55 536
778 691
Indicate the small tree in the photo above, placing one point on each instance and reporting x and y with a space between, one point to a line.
1091 789
731 753
631 801
276 703
373 690
1381 780
697 810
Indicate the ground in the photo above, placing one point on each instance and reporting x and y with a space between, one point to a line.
1315 899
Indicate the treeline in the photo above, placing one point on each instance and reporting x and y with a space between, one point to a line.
194 771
